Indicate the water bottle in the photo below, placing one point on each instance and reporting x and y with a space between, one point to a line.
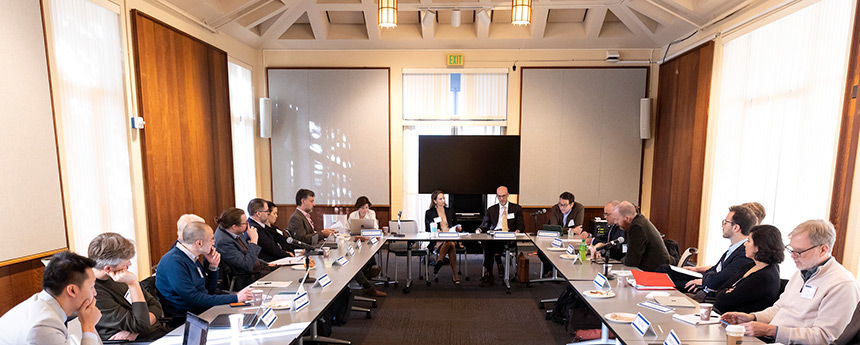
433 227
583 250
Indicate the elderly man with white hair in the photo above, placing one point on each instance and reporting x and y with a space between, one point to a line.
819 297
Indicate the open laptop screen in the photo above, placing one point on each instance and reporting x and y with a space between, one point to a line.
196 330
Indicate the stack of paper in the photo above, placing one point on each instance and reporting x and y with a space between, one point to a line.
290 261
694 319
686 272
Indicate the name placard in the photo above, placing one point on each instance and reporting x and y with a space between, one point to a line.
358 244
268 317
672 339
448 235
600 281
350 251
556 243
323 281
505 235
571 249
373 240
641 325
550 234
301 300
371 233
341 261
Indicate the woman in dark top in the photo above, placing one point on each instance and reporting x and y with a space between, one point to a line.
444 217
756 287
274 245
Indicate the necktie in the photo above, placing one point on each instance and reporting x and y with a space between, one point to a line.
505 218
443 224
242 244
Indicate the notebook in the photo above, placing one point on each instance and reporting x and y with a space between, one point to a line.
652 281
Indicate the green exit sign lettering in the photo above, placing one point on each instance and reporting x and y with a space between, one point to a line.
455 60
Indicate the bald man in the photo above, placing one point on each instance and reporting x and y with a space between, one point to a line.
645 247
502 216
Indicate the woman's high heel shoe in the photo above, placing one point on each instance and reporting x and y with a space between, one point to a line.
438 266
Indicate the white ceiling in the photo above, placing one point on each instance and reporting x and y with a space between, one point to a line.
556 24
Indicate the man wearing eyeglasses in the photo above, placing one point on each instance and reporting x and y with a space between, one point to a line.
570 215
612 234
817 302
504 216
645 249
736 228
272 245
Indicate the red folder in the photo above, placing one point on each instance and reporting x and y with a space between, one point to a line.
652 281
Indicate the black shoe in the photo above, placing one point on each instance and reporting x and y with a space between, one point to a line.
438 266
486 280
446 261
501 271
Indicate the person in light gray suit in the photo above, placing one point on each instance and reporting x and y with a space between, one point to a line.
68 287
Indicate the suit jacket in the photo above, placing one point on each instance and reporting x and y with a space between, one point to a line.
273 246
730 267
757 291
577 213
239 260
431 213
491 218
39 320
612 234
187 285
119 314
851 334
300 228
645 247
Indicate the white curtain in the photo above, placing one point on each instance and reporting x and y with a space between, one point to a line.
778 120
89 57
242 125
479 96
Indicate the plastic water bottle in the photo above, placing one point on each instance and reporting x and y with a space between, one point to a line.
433 227
583 250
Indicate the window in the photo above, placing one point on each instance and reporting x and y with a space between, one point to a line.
242 124
437 102
91 112
778 122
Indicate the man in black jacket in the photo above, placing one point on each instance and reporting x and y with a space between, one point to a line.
735 227
504 216
271 243
645 248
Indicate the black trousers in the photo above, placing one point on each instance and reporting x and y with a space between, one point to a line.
492 252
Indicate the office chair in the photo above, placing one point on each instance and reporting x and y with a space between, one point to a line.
685 257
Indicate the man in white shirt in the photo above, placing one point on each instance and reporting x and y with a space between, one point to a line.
68 287
819 297
504 216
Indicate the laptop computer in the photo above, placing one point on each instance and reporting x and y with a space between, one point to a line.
356 225
223 320
196 330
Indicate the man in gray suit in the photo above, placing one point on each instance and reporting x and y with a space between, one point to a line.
301 226
68 287
645 247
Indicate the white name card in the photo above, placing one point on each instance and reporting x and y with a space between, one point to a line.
672 339
571 249
301 300
373 240
448 235
641 325
556 243
550 234
358 244
371 233
323 281
268 317
350 251
505 235
341 261
511 216
600 281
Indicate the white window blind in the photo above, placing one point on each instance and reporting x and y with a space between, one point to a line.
242 125
455 96
778 120
89 58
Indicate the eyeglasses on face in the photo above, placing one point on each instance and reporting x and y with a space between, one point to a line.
795 252
728 222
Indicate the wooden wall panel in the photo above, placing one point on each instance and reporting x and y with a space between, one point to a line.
679 144
183 96
846 155
19 281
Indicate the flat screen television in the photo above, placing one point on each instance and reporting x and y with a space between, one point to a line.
468 164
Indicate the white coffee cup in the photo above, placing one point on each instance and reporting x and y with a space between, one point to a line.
734 335
236 322
705 311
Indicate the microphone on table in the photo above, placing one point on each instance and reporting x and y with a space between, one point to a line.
541 211
290 240
614 243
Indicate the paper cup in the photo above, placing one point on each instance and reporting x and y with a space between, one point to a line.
734 335
236 322
257 297
705 311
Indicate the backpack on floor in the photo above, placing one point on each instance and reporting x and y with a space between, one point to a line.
560 308
581 318
341 307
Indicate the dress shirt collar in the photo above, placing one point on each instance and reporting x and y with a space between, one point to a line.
54 303
735 246
187 252
806 274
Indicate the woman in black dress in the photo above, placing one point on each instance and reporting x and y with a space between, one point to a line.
446 220
757 287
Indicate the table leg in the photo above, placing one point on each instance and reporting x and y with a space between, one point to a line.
508 268
408 267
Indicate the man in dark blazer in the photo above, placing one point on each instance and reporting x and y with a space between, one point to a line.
612 234
570 215
301 226
512 220
736 227
645 248
273 246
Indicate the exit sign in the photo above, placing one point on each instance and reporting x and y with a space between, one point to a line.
454 60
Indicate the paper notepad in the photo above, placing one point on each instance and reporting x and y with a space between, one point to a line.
686 272
290 261
271 284
694 319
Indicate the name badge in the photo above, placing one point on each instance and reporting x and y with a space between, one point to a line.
505 235
556 243
199 272
570 249
268 318
448 235
341 261
371 233
323 281
550 234
301 301
350 251
437 219
510 216
373 240
641 325
571 223
600 281
672 339
808 291
624 248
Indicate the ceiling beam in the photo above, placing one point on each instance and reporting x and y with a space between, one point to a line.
295 9
239 11
319 23
632 22
428 28
594 22
370 11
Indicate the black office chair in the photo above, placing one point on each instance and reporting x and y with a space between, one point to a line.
231 281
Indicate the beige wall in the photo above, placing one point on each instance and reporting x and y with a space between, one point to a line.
398 60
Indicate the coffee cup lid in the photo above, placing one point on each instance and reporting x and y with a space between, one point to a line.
735 328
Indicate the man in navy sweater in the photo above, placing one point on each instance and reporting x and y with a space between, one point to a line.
184 283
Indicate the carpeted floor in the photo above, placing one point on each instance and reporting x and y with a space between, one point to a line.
447 314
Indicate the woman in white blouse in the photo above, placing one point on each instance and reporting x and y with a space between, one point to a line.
363 211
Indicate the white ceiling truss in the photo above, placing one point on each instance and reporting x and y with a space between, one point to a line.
483 24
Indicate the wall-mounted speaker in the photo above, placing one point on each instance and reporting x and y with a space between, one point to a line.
645 118
265 118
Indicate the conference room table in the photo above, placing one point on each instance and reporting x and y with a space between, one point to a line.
570 269
290 325
463 237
